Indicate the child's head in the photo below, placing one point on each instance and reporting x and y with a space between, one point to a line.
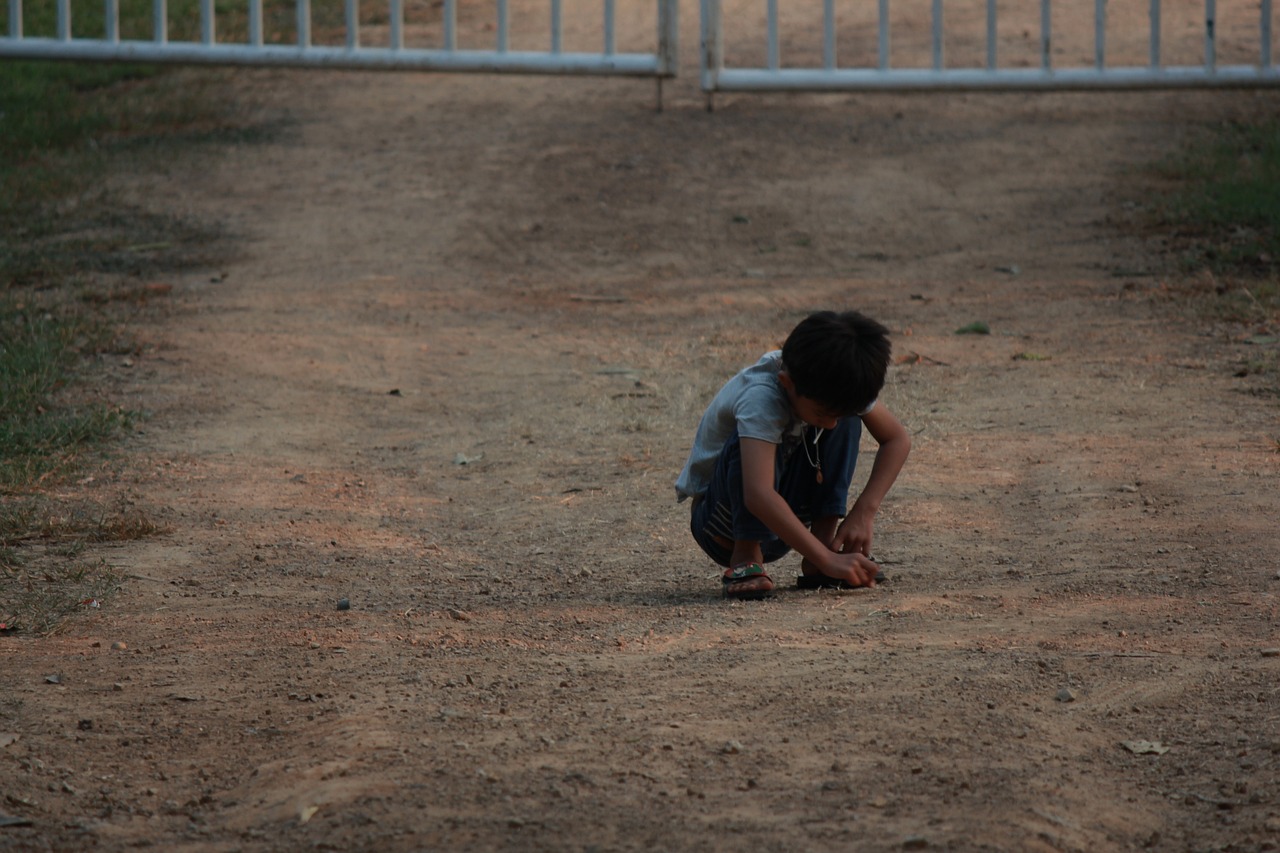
838 360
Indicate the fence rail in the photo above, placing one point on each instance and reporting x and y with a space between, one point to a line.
355 49
821 69
822 45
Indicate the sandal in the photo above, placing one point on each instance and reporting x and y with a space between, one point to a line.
748 582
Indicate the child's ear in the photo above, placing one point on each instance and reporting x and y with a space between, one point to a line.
785 379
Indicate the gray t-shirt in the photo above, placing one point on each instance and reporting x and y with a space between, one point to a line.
756 404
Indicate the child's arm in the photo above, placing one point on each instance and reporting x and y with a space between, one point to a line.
854 533
766 504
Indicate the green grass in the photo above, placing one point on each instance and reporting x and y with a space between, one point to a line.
1221 217
1225 211
76 266
41 434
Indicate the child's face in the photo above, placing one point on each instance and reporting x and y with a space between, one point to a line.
806 408
812 412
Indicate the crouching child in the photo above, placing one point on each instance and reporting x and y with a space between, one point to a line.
774 456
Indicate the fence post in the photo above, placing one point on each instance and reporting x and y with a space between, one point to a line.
668 37
712 51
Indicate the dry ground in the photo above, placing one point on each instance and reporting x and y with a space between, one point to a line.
450 378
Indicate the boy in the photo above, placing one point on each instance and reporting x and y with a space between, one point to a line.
774 455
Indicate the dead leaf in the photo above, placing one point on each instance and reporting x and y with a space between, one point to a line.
917 358
1145 747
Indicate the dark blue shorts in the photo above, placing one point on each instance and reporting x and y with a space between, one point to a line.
722 510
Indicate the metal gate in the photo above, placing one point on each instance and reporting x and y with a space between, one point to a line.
397 34
758 45
989 44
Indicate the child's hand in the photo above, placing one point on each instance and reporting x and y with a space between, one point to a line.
853 536
855 568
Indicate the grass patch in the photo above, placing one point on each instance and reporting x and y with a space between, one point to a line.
40 354
46 576
1225 211
77 265
39 600
1221 215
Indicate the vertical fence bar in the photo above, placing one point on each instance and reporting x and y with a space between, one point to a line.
111 30
610 40
668 35
992 35
352 15
1210 40
557 27
304 23
64 20
882 36
1046 35
712 46
255 23
15 18
159 21
396 37
1265 59
772 35
1155 33
829 34
937 35
1099 34
502 26
207 22
450 24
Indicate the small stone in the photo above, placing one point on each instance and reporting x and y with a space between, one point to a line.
119 646
1271 653
1066 694
460 615
118 687
344 604
915 842
733 747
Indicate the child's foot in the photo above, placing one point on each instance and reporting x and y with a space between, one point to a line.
747 582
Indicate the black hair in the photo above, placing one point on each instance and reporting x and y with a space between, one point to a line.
839 360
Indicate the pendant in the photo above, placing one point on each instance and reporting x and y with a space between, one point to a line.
819 478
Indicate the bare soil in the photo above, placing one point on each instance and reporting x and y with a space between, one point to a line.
448 380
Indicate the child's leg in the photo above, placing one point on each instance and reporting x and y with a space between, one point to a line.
729 534
821 502
721 523
824 530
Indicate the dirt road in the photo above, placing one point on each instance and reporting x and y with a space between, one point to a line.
449 379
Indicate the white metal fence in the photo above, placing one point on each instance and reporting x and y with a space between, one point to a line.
988 44
396 34
745 44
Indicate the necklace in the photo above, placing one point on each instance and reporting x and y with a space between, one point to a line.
816 459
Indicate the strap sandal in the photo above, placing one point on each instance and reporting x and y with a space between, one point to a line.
747 582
